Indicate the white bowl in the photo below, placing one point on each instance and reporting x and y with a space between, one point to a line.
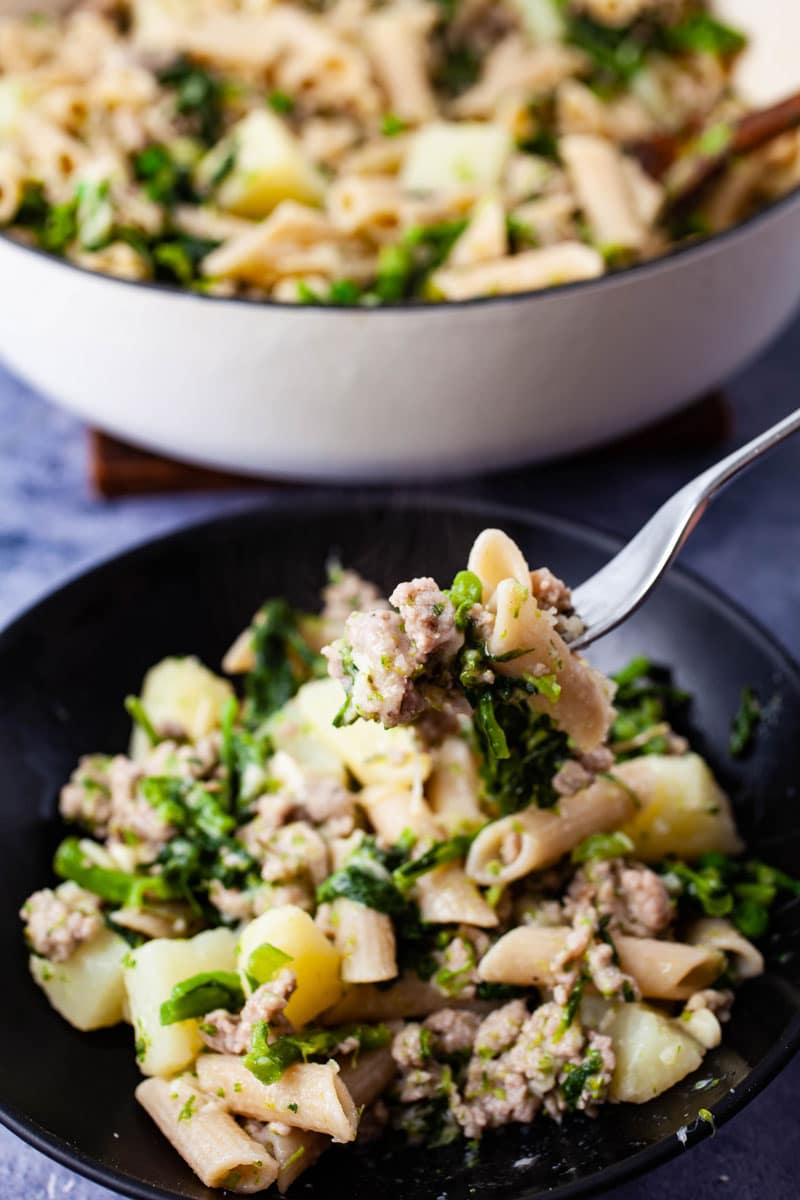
410 392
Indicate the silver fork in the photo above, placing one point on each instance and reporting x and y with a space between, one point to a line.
609 597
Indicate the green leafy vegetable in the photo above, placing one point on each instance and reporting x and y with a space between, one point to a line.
571 1007
745 723
599 846
645 698
200 994
366 879
268 1060
199 97
166 180
118 887
33 206
405 876
265 962
466 591
177 259
404 266
280 102
700 33
137 711
340 292
284 661
578 1078
391 125
743 889
617 55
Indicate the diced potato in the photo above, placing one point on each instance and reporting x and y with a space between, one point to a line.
88 990
292 731
448 155
315 962
155 969
268 166
184 691
653 1052
372 753
682 809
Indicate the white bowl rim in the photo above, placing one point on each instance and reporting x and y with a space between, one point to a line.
665 262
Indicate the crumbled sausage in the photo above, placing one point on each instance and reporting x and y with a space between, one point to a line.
86 799
230 1033
58 922
549 591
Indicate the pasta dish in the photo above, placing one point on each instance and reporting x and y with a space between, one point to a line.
423 870
368 152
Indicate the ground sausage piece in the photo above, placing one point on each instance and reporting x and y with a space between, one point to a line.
346 593
500 1029
549 591
571 777
493 1096
383 657
58 922
632 897
420 1076
428 616
230 1033
86 799
294 851
453 1030
384 663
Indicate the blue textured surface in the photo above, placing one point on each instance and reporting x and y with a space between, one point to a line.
748 545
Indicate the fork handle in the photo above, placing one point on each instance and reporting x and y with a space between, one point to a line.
618 588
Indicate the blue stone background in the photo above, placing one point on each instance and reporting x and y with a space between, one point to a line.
748 545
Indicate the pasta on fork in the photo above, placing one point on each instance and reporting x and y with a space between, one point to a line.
423 869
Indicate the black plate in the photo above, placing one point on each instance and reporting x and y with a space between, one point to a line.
67 664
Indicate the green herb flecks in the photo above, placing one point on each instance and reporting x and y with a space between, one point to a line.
200 994
599 846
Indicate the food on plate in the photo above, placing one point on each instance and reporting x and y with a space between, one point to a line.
357 152
423 869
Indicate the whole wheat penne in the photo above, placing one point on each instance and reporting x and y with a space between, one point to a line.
663 970
206 1136
365 939
535 838
307 1096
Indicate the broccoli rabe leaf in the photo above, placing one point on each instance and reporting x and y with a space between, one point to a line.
268 1060
199 97
284 661
743 889
700 33
577 1077
645 698
439 853
745 723
115 886
200 994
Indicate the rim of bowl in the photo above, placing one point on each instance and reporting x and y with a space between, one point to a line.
673 258
636 1164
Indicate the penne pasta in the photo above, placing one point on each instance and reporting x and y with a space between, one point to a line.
662 970
307 1096
744 959
409 996
206 1136
453 789
514 846
365 940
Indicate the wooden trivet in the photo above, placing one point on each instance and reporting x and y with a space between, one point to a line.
119 469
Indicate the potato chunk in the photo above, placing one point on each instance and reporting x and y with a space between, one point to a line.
88 990
315 962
